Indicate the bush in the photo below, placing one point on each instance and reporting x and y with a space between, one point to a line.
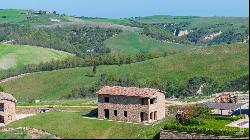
207 131
1 89
225 118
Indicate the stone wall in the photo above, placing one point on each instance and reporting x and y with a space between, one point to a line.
166 134
133 107
9 112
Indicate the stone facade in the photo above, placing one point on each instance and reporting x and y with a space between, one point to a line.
7 108
166 134
131 108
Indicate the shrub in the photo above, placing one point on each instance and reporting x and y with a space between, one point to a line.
225 118
214 131
1 89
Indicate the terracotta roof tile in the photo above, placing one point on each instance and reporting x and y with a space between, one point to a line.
128 91
6 96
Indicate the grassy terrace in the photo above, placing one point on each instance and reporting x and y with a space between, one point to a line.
16 56
222 63
73 125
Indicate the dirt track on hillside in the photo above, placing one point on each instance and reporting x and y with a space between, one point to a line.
13 78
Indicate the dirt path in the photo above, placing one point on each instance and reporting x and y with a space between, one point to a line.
14 77
171 103
41 106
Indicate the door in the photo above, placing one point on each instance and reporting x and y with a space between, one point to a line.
106 113
1 119
155 115
141 116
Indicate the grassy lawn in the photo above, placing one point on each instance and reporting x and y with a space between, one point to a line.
222 63
72 125
16 56
131 43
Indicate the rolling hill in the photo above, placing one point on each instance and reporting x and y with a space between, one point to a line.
131 43
222 63
16 56
28 17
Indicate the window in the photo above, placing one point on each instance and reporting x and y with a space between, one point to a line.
115 112
1 107
106 99
144 101
151 115
151 101
125 113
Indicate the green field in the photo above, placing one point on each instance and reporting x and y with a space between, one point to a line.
222 63
73 125
16 56
130 43
113 21
195 20
17 16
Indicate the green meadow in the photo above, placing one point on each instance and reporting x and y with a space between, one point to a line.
16 56
131 43
222 63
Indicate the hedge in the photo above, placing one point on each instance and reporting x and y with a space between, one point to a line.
225 118
215 131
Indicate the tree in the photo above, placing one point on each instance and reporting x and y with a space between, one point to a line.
94 68
1 89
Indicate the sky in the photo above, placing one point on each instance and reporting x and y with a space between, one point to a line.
134 8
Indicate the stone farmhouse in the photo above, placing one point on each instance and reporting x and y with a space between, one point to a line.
131 104
7 108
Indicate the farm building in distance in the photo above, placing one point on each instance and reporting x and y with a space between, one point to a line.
131 104
7 108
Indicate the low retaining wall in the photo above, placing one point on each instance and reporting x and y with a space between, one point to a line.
167 134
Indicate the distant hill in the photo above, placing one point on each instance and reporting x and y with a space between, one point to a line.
221 63
131 43
29 17
16 56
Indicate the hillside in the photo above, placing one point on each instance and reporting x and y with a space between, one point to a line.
199 30
131 43
195 21
29 17
16 56
222 63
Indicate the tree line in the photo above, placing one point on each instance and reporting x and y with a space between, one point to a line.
73 39
88 60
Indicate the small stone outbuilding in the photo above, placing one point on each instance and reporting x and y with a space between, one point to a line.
131 104
7 108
